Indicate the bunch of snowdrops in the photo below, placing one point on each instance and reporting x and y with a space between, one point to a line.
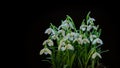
69 47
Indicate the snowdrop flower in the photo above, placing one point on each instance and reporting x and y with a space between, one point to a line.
63 48
49 31
70 36
69 47
95 55
45 51
85 41
62 42
90 20
80 41
83 27
61 32
97 40
54 37
76 35
49 42
64 25
92 37
89 28
62 45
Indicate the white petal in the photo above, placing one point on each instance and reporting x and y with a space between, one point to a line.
49 51
54 37
90 20
45 42
83 27
61 32
75 40
63 48
42 51
48 31
76 35
94 41
89 28
85 41
92 37
95 55
69 46
50 42
97 40
80 41
100 41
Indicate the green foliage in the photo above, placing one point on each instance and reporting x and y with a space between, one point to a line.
69 47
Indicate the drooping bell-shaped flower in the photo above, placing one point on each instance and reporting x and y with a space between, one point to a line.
69 47
83 27
97 41
48 42
85 41
95 55
49 31
45 51
92 37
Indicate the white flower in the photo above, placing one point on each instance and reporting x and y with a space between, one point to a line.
89 28
62 45
49 31
63 48
54 37
61 32
62 42
97 40
64 25
92 37
45 42
70 36
95 55
69 47
80 41
49 42
83 27
85 41
90 20
45 51
76 35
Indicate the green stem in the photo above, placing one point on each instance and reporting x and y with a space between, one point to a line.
86 56
53 58
68 60
89 55
93 63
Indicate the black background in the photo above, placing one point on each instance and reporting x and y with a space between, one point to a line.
35 19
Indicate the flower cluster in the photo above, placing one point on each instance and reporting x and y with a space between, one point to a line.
70 47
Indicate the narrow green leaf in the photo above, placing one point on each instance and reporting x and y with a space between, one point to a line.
71 21
72 59
88 15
